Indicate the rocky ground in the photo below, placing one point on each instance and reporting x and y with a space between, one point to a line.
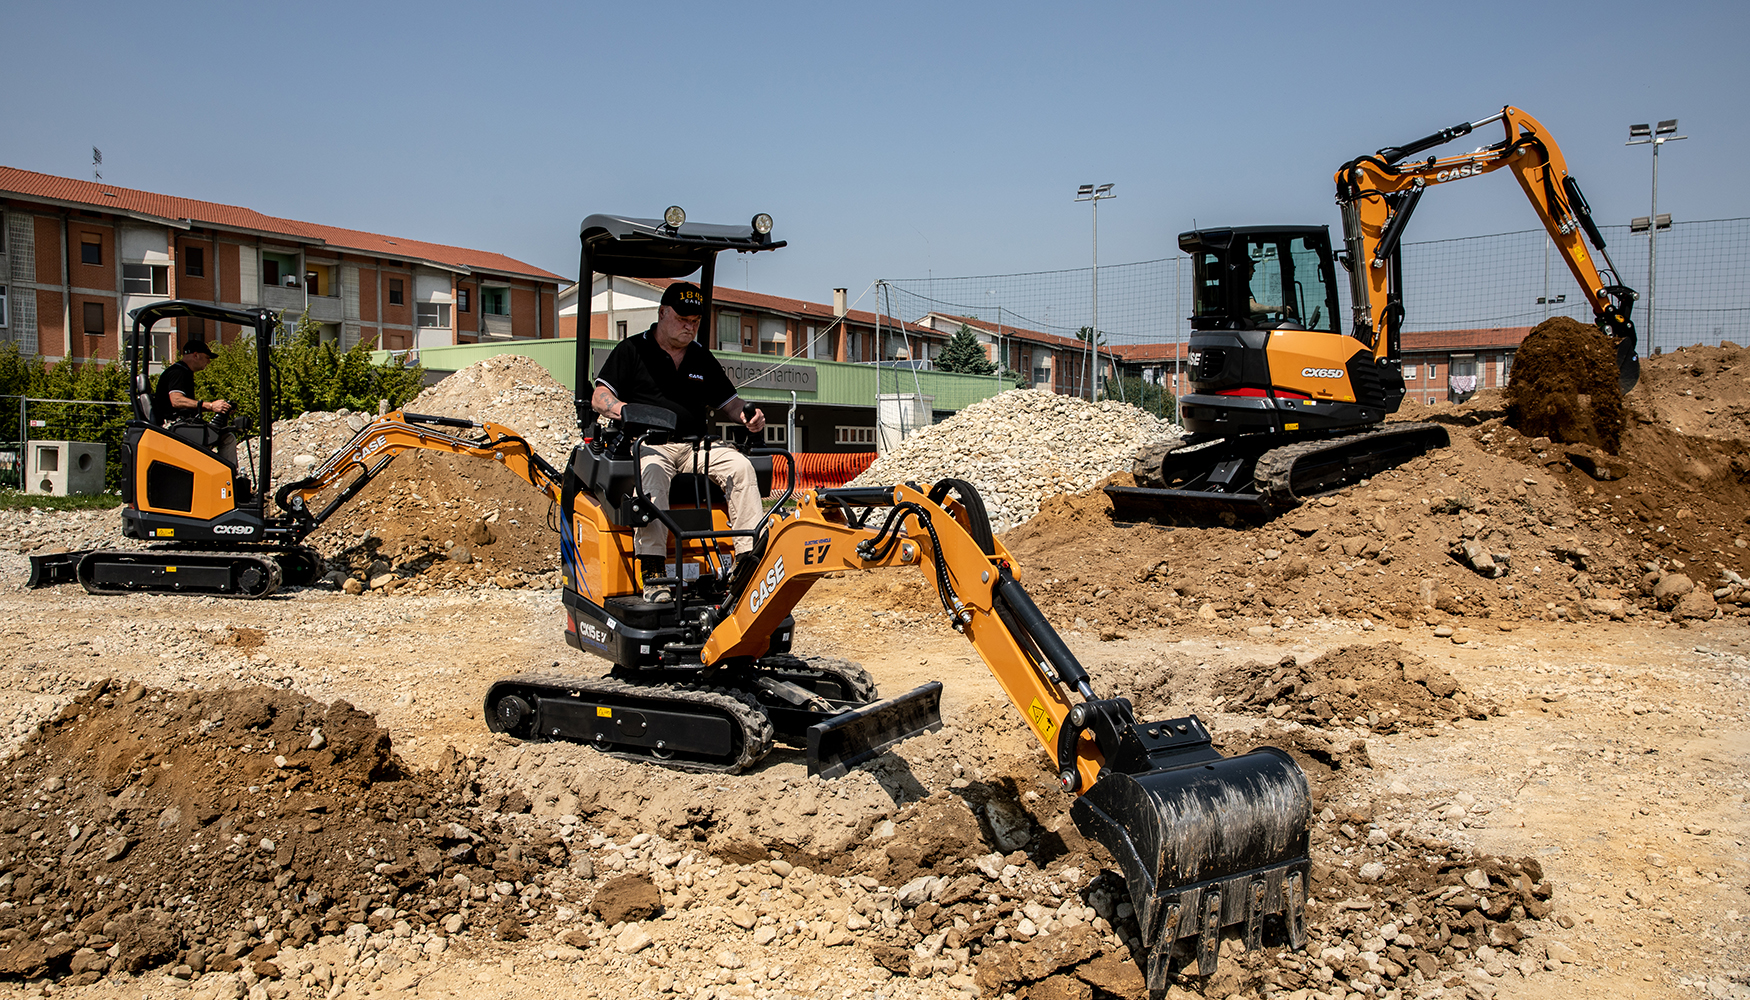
1528 770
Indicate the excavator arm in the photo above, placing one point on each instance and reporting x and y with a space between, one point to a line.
352 467
1378 194
1206 842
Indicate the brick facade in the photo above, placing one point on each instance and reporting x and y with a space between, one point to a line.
51 290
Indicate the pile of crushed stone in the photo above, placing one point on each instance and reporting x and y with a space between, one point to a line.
1022 446
220 831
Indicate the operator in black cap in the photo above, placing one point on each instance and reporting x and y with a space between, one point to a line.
666 366
176 408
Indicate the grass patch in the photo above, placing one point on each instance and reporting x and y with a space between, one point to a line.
19 500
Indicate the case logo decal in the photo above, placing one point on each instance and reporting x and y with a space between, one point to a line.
767 587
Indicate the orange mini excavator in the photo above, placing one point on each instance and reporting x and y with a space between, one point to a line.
1286 403
1211 846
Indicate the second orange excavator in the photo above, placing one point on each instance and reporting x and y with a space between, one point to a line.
1286 401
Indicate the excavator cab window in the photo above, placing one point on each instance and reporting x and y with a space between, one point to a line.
1258 279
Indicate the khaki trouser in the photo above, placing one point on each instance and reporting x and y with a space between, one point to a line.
658 464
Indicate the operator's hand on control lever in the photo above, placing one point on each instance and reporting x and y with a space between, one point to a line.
753 419
219 406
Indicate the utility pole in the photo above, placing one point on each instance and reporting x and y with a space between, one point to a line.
1641 135
1095 195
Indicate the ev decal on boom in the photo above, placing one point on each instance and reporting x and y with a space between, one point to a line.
814 554
767 587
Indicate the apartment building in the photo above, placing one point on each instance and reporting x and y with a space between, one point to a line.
756 323
78 255
1045 360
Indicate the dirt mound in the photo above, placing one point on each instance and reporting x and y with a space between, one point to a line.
1564 385
1381 688
434 520
145 827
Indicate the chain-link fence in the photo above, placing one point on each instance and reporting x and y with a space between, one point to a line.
24 419
1504 279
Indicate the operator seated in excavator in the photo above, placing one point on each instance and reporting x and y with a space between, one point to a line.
666 366
177 409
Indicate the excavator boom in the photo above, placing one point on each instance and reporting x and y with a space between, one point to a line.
1379 193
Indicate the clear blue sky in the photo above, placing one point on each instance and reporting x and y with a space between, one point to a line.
888 140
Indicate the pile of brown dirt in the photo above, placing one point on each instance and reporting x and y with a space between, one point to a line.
1380 688
1564 385
208 829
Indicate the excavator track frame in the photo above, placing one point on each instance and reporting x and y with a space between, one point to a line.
247 575
1263 477
687 726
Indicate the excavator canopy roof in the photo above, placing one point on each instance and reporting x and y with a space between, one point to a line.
649 248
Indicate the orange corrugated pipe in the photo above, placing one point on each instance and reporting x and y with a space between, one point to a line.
822 471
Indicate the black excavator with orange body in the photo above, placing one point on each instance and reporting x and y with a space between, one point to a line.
1286 404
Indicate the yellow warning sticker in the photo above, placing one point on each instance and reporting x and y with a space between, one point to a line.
170 569
1041 719
1291 427
604 712
166 532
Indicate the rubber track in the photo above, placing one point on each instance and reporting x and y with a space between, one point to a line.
263 556
756 728
854 677
1274 471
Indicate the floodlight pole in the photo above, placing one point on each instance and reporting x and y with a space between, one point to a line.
1090 193
1640 136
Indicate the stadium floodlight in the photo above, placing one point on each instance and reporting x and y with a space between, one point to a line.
1641 135
1089 193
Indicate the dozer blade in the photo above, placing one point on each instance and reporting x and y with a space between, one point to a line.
850 738
1139 503
1206 843
59 567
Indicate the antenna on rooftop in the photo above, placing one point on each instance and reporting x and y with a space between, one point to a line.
96 161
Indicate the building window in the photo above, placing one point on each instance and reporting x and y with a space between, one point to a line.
395 294
495 301
94 319
2 305
620 328
462 299
1041 376
1431 372
194 328
1506 366
145 279
194 261
90 248
280 269
1409 373
433 314
854 435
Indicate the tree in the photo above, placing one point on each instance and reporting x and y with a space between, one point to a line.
309 374
1085 332
964 354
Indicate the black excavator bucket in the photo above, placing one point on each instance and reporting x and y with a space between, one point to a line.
850 738
55 568
1206 843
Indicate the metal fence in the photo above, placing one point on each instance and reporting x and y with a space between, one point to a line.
31 419
1503 279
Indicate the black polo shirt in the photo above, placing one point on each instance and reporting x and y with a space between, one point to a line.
638 370
176 378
